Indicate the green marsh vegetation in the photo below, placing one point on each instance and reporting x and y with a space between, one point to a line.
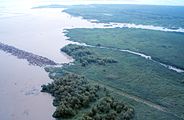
139 77
130 74
161 46
73 94
153 91
156 15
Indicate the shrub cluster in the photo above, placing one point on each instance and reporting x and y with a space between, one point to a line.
109 109
71 93
85 56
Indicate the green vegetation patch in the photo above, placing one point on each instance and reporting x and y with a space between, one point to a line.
165 47
165 16
109 109
138 77
73 92
86 56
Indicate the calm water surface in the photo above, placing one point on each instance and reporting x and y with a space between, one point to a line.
39 31
20 96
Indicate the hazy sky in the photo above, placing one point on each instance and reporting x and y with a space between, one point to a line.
153 2
157 2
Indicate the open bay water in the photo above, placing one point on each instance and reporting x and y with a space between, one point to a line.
20 96
20 83
39 31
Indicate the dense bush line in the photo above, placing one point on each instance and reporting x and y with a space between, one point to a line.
109 109
73 92
85 56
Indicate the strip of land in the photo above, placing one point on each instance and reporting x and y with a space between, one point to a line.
33 59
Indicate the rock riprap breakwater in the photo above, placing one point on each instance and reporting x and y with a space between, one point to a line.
30 57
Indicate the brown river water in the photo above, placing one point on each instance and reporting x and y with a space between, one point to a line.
39 31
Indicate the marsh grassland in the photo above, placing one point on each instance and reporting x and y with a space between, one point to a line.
116 84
